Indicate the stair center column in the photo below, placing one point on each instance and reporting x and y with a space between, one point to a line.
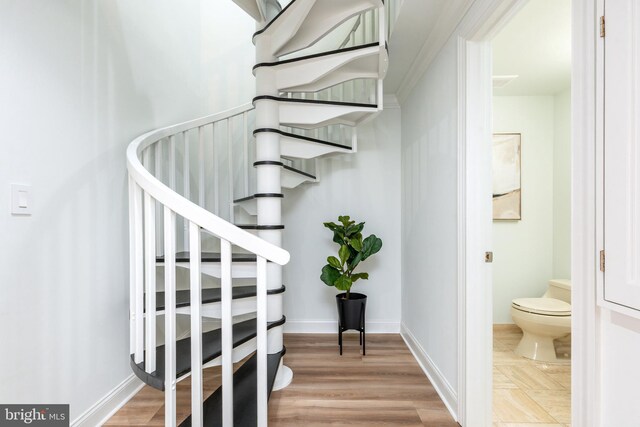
269 193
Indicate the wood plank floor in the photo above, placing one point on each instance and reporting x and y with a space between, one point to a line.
384 388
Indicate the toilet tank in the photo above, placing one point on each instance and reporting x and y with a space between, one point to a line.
559 289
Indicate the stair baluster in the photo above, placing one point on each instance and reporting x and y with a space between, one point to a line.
245 150
186 183
261 345
150 281
136 266
216 171
170 316
227 335
201 167
195 252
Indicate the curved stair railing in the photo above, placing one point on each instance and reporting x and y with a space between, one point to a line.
192 186
148 197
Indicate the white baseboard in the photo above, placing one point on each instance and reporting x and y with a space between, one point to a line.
331 327
441 385
104 409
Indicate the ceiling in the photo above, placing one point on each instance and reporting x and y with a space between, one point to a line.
536 46
422 28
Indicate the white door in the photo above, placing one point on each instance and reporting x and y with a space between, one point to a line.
622 153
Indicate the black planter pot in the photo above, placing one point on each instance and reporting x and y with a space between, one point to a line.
351 315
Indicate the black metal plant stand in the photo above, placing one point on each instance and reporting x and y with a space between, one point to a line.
351 316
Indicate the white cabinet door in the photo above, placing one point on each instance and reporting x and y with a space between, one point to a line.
622 153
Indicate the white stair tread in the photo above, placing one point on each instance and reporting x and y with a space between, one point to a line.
316 72
302 147
312 114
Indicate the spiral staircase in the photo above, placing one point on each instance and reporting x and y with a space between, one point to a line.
205 202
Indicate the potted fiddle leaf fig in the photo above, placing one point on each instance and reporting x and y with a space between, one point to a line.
339 272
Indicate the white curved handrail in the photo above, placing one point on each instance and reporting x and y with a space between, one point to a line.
184 207
146 191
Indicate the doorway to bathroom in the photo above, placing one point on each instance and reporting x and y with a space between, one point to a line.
514 79
531 216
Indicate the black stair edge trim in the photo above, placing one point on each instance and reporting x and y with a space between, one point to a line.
306 138
275 18
243 199
313 101
260 227
267 162
282 289
212 295
315 55
184 256
156 378
275 324
244 394
259 195
292 169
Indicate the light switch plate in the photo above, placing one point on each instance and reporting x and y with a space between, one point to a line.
21 200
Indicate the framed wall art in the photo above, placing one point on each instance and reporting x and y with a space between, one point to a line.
507 181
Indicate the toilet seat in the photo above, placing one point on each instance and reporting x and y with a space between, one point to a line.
542 306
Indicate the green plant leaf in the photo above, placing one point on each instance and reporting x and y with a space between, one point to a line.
354 229
338 237
356 244
344 254
329 275
345 220
348 231
355 261
344 283
334 262
330 225
356 276
370 246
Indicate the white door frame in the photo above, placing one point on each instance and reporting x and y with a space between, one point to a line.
474 211
475 313
586 106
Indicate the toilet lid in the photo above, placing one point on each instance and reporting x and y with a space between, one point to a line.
546 306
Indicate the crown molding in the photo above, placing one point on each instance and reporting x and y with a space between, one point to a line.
390 102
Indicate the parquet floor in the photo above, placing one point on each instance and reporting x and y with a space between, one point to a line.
527 393
384 388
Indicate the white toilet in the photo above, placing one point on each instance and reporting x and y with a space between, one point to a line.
543 320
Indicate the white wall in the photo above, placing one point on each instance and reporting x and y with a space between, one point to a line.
429 214
523 250
562 185
366 187
79 81
529 252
